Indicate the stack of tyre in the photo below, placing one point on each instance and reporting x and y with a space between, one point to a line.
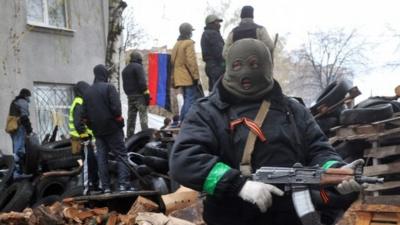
368 111
148 159
37 189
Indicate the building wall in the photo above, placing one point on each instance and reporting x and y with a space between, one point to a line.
31 54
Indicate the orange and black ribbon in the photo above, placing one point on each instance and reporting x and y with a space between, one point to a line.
251 125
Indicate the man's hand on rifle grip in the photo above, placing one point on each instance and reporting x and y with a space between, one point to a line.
349 186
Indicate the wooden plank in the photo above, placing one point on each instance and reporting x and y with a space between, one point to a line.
382 152
383 199
385 186
376 207
385 217
363 218
389 168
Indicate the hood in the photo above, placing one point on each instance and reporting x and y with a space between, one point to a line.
80 88
100 73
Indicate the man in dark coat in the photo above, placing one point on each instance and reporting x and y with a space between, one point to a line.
212 45
102 109
247 28
209 150
19 108
135 87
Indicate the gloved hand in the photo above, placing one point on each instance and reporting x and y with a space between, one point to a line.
349 186
120 121
147 99
259 193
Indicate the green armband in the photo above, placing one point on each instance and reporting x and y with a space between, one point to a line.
328 164
214 176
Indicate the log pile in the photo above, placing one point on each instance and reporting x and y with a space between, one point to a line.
142 212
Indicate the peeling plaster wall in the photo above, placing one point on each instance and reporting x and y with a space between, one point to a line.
30 55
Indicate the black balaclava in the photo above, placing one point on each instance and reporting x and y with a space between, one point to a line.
136 57
80 88
247 12
100 73
248 70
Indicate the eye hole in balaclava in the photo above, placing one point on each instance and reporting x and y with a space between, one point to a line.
249 69
237 65
253 62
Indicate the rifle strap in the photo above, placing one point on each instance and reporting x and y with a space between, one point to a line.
245 164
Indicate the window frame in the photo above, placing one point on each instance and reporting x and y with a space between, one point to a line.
45 23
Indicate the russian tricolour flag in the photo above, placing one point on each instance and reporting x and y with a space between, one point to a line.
159 79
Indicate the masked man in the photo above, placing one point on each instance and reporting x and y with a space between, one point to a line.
212 151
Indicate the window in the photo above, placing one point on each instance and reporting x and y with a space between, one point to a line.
52 13
52 103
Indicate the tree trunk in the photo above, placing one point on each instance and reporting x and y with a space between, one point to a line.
114 46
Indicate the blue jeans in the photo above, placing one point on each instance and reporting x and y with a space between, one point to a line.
190 94
18 142
114 143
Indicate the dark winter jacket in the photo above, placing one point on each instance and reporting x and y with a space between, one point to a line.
102 105
134 79
20 107
212 44
79 89
205 139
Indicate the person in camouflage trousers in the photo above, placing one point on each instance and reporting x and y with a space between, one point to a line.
135 87
135 105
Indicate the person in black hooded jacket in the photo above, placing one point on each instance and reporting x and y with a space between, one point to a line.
102 110
135 87
208 153
212 45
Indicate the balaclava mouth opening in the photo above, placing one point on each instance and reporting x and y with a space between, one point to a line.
248 73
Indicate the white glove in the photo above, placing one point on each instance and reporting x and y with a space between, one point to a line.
349 186
259 193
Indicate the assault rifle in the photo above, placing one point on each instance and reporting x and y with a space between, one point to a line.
298 179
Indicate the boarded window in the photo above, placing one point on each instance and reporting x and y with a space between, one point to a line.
52 103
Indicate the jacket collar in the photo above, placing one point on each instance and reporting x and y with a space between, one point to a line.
222 99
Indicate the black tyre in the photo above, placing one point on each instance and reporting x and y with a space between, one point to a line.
47 201
373 101
332 94
32 155
49 153
51 186
58 144
155 148
159 184
73 191
156 163
366 115
16 197
138 140
7 166
327 123
61 163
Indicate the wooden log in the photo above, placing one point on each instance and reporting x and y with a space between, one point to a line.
127 219
44 216
100 211
142 204
180 199
193 213
112 219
